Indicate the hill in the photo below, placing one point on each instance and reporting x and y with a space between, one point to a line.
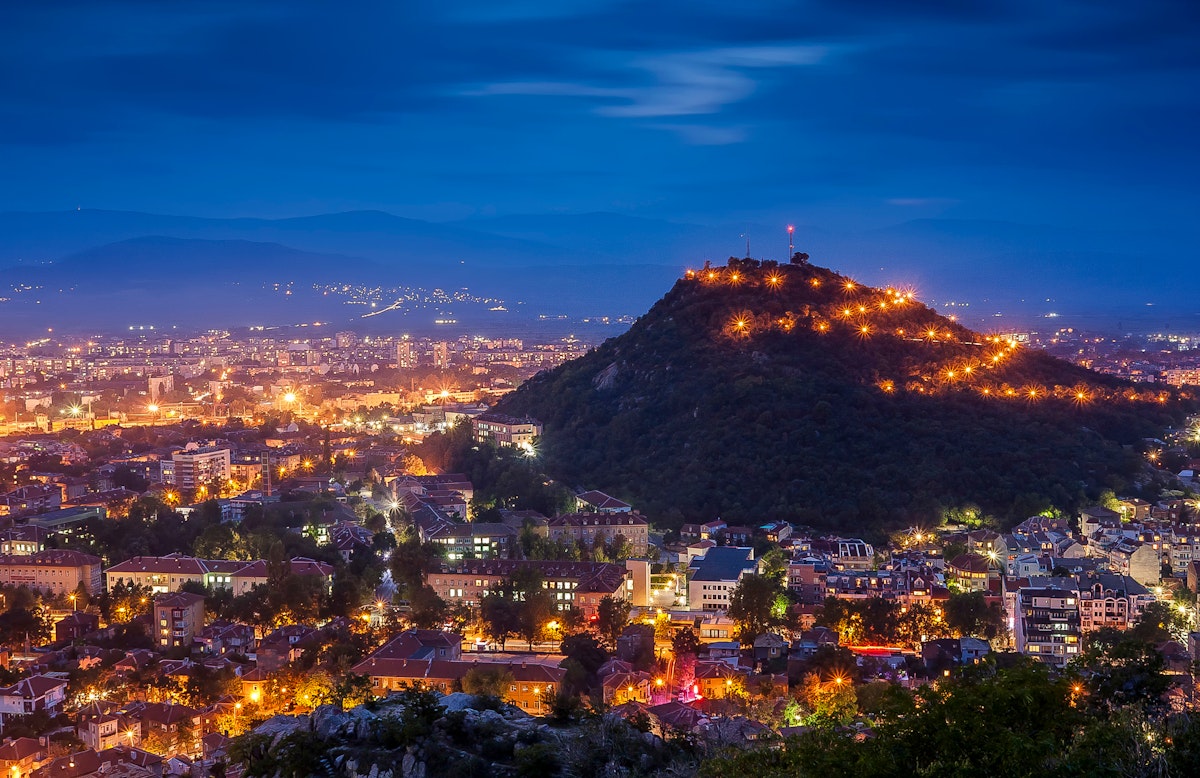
151 259
373 235
758 391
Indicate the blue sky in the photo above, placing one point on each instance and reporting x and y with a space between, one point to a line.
849 114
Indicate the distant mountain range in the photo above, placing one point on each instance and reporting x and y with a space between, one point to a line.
793 392
567 264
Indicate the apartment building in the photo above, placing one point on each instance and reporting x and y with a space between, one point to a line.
505 430
56 571
196 466
587 529
178 618
579 585
1046 625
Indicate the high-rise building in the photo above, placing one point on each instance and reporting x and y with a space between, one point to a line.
196 465
441 354
406 355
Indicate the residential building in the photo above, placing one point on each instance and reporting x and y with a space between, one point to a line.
196 466
1183 546
168 573
777 531
159 574
285 644
572 584
599 502
1095 518
430 659
223 637
75 625
22 540
21 756
31 695
621 686
177 728
969 572
1140 561
1110 601
1046 625
441 355
588 529
406 354
102 727
945 653
806 579
718 680
714 576
854 554
476 540
505 430
57 571
988 544
32 498
178 617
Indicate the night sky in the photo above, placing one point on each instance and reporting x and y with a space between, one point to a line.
854 113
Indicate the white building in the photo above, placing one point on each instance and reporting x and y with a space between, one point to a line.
713 577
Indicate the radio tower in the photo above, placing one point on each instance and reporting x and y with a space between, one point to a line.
791 248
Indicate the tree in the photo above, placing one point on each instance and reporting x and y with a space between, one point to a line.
758 604
1158 622
499 614
1122 670
1028 718
584 656
920 622
832 701
968 614
429 611
488 681
352 690
612 616
18 625
685 645
534 612
774 564
413 465
873 620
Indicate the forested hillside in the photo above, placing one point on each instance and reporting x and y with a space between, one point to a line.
758 391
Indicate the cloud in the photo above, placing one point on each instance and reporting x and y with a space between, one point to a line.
675 85
706 135
1013 106
688 83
